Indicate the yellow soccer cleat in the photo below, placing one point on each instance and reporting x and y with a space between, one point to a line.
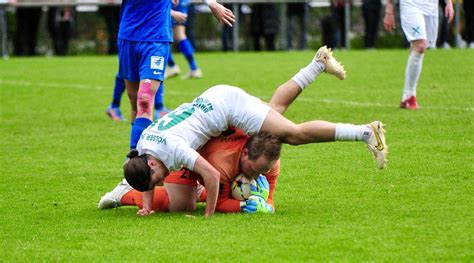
333 66
376 143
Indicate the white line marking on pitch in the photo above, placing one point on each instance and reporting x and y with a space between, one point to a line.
174 92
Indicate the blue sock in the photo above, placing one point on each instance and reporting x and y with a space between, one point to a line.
159 97
170 60
137 128
188 51
119 88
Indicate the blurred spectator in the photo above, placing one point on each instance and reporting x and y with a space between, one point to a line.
371 13
190 24
60 27
264 23
226 35
328 29
443 30
27 22
338 12
468 6
3 30
111 15
226 38
297 14
179 14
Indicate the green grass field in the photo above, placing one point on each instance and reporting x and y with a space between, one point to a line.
60 153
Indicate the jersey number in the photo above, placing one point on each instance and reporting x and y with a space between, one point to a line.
173 118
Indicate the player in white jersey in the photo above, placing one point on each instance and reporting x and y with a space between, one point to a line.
172 141
419 19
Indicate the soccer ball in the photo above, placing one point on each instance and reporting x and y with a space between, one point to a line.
241 187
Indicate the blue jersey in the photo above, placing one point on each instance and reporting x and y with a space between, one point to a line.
146 21
183 7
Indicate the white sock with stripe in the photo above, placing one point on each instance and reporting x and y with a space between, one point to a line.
309 73
412 74
351 132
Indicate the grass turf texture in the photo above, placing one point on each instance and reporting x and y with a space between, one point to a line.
61 153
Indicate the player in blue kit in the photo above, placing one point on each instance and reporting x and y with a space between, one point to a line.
113 110
144 46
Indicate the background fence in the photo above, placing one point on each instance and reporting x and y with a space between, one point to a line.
90 30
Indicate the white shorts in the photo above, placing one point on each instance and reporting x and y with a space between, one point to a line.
243 110
418 26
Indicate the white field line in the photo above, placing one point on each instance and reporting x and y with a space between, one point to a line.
174 92
380 105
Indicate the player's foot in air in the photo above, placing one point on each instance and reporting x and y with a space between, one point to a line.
115 113
194 74
160 113
172 72
409 103
376 143
333 66
112 199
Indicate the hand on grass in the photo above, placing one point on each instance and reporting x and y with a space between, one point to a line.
145 212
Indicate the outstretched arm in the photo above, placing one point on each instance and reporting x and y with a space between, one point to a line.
389 18
147 198
449 11
223 14
211 180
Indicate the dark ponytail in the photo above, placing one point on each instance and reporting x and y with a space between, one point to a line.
137 172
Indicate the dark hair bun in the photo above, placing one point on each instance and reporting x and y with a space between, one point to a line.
132 153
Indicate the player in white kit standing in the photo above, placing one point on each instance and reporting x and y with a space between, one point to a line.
419 19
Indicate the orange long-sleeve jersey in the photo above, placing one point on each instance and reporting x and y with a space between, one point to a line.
223 152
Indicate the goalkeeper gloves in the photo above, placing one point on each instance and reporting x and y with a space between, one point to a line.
262 189
256 204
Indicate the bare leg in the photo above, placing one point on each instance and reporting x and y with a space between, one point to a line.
143 107
132 90
286 93
179 33
146 97
284 96
295 134
181 197
323 131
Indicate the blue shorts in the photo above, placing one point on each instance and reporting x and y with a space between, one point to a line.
142 60
182 7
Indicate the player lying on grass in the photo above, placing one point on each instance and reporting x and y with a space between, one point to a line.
231 153
171 142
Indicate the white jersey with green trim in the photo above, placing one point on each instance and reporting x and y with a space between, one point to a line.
175 137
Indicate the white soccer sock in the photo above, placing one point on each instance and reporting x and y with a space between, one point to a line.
412 73
309 73
351 132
